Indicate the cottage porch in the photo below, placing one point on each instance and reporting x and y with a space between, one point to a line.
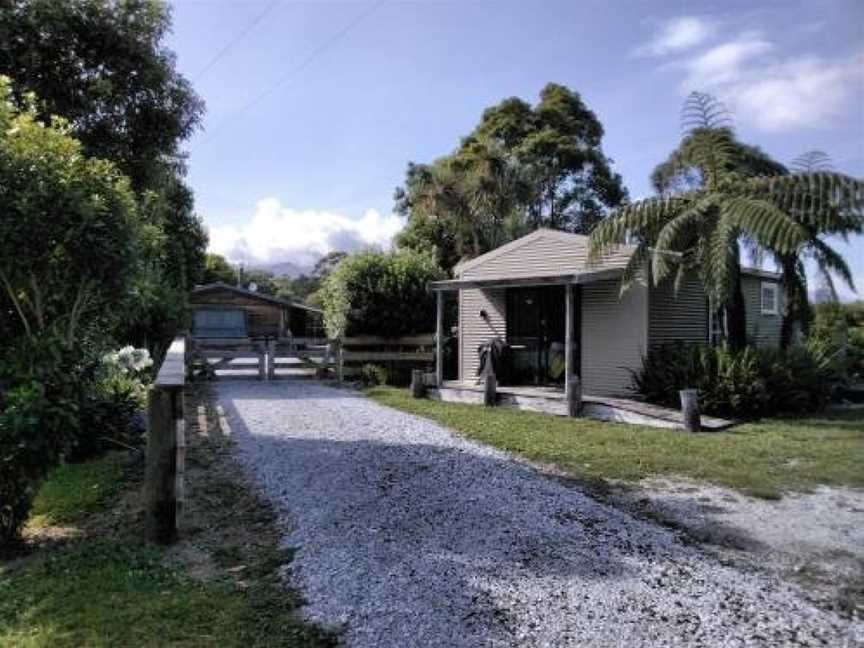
553 400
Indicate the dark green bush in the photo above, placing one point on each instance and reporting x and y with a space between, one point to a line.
745 384
372 375
381 293
39 418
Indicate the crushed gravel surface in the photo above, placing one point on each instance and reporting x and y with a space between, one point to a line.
409 535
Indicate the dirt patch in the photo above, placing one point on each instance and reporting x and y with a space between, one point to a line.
814 540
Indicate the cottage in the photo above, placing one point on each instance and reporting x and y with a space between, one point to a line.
222 311
562 316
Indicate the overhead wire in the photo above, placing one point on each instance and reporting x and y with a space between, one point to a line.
295 70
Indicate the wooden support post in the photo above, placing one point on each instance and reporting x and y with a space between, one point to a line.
574 396
271 360
490 389
262 361
418 384
160 480
572 384
690 410
340 361
439 339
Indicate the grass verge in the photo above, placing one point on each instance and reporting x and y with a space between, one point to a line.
101 586
764 459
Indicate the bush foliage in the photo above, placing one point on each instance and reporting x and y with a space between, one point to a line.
63 401
741 384
381 293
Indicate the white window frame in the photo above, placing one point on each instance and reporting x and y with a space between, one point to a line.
774 288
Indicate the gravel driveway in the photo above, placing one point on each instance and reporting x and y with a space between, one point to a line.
408 535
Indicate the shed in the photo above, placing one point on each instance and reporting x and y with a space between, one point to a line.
223 311
562 315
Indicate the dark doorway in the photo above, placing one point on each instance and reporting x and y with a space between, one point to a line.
535 332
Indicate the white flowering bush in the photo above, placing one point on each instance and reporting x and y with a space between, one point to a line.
129 361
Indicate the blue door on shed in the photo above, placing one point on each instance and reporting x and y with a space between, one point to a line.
219 323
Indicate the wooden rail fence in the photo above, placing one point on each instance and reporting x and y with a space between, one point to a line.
341 357
166 447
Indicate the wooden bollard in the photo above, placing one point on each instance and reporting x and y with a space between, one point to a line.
490 390
271 359
574 396
690 410
418 383
160 497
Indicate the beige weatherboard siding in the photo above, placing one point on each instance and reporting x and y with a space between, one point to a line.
763 329
677 317
474 330
544 252
614 335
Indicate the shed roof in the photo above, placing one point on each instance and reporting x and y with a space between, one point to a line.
270 299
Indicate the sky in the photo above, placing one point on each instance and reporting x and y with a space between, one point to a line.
315 108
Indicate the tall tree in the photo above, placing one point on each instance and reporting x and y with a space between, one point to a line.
102 65
522 167
69 231
701 228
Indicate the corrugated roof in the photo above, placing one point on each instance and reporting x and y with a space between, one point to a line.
219 285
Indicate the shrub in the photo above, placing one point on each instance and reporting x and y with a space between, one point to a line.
373 375
112 407
744 384
39 418
380 293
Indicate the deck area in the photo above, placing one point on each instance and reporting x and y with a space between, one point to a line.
550 400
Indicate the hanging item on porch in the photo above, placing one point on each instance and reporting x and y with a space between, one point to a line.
557 364
492 359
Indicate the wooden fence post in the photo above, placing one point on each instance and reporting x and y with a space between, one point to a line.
574 396
262 361
271 359
418 383
161 470
340 361
490 389
690 410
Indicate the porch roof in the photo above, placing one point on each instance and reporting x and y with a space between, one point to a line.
587 276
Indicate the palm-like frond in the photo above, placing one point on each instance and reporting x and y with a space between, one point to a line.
635 218
680 232
814 196
765 223
829 261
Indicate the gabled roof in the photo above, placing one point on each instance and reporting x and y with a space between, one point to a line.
220 285
542 232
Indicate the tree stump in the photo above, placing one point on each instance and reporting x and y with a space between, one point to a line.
574 396
690 410
418 384
490 390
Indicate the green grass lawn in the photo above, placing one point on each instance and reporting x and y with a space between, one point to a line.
764 459
105 590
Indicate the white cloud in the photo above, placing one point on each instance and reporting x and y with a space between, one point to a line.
277 233
763 86
724 63
677 35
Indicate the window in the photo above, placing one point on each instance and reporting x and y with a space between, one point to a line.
769 298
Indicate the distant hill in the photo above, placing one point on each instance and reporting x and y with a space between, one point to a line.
284 269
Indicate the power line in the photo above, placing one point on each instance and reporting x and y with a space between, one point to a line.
234 41
297 69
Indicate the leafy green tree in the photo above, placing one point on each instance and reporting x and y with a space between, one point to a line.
522 167
102 65
69 231
217 269
701 229
380 293
558 142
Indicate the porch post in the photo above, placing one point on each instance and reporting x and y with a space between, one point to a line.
439 334
572 388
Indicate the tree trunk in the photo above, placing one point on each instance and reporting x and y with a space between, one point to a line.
736 317
791 301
